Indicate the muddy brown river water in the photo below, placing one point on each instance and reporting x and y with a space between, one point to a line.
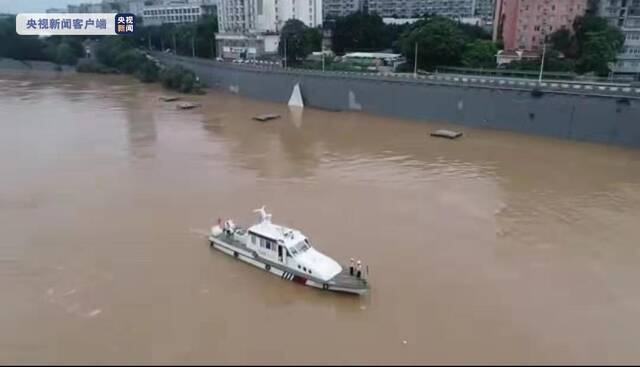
494 248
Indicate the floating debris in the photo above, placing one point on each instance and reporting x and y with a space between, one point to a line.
446 134
266 117
404 342
169 98
187 106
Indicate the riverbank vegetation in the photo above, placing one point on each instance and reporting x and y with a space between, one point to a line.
588 48
120 54
62 50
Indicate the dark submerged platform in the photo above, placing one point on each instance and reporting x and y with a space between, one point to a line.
266 117
446 134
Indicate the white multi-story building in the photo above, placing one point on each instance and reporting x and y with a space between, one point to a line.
625 14
251 27
455 9
157 12
341 8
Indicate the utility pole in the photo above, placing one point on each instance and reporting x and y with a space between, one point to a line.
213 56
322 49
193 47
544 51
415 63
175 49
285 52
149 42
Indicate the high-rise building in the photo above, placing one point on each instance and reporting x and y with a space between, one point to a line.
483 9
526 24
341 8
455 9
157 12
251 27
624 14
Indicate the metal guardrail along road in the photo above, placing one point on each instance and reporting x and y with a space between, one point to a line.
573 87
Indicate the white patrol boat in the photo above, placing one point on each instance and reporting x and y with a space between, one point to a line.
286 252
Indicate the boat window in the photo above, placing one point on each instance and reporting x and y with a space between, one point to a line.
301 247
253 239
268 245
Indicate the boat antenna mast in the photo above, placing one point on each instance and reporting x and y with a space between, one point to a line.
266 217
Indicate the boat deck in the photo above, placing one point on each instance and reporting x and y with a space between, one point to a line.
344 279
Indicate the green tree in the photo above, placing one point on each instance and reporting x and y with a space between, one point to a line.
474 31
480 54
19 47
65 54
599 50
360 32
563 41
598 44
206 29
439 40
147 72
299 40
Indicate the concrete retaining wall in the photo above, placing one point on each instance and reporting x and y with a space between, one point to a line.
611 119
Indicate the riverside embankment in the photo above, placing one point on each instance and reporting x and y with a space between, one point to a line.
578 111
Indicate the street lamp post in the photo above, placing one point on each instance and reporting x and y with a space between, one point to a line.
544 52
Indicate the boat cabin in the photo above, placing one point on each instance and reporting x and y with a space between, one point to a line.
291 248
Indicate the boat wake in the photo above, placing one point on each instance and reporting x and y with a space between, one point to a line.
199 232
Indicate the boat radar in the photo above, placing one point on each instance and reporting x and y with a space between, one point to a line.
287 253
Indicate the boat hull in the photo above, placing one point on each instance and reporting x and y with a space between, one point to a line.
284 273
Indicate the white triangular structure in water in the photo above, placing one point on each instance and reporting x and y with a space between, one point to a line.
296 97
